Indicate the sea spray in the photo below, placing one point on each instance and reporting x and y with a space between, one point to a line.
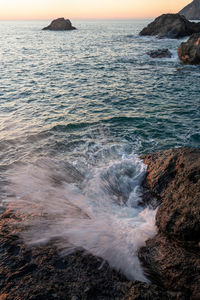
97 212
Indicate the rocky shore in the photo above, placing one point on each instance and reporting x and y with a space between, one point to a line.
171 259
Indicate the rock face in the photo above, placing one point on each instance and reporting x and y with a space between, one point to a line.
171 259
171 26
41 273
189 52
191 11
173 256
60 24
160 53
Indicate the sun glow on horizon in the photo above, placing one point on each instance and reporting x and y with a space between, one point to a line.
87 9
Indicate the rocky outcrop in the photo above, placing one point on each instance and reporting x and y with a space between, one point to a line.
189 52
41 273
171 259
160 53
60 24
171 26
173 256
191 11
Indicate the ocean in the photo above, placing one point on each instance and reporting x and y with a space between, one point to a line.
77 109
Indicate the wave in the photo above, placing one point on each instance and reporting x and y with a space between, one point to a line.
96 209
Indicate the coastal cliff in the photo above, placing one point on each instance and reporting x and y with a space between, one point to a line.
191 11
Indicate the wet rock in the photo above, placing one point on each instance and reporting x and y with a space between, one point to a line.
173 265
171 26
172 257
191 11
174 177
189 52
41 273
60 24
160 53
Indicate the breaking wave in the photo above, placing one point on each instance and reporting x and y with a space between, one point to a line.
92 207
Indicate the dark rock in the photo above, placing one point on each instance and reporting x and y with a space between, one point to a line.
172 257
173 176
189 52
60 24
160 53
40 273
191 11
171 26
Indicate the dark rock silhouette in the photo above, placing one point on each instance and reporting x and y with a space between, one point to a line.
173 177
171 26
191 11
189 52
60 24
160 53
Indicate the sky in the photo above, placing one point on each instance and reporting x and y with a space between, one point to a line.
87 9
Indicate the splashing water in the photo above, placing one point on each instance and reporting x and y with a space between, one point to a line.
98 212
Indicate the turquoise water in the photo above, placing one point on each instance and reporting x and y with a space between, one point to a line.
76 109
59 90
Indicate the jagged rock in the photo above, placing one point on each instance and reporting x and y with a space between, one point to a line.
160 53
191 11
189 52
173 259
171 26
60 24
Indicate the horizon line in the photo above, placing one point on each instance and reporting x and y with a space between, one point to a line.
82 19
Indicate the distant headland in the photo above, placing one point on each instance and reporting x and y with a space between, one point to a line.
191 11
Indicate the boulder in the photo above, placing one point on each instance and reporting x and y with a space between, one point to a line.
172 257
171 26
189 52
60 24
160 53
191 11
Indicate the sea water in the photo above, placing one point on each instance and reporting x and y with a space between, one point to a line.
77 109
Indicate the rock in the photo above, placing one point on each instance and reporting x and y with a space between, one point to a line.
171 26
191 11
60 24
160 53
174 177
49 276
189 52
172 257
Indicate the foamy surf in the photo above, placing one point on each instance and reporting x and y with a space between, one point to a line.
97 212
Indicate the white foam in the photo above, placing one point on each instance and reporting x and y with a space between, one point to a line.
100 215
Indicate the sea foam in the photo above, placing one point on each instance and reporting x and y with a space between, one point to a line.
97 212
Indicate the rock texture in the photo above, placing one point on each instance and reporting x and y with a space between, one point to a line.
171 26
160 53
60 24
189 52
41 273
173 256
191 11
171 259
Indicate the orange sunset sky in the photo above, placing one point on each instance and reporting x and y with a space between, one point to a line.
84 9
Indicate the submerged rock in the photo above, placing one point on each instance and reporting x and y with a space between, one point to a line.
189 52
60 24
160 53
191 11
173 176
171 26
